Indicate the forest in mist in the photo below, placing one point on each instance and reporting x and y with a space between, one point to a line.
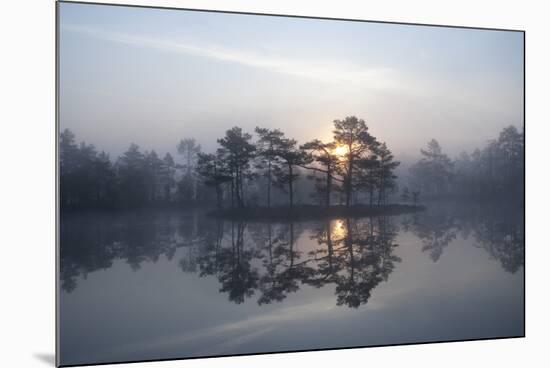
265 168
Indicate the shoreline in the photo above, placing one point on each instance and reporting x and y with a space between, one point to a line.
310 212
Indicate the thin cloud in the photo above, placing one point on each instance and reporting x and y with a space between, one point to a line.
325 71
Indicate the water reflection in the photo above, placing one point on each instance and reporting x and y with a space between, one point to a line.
497 230
231 263
266 262
355 256
436 229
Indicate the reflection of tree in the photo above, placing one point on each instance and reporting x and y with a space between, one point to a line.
235 273
351 255
354 256
387 233
268 282
283 269
198 237
328 235
208 262
504 241
92 242
368 259
437 229
498 230
232 265
358 256
85 249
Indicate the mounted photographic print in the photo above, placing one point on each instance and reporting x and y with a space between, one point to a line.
234 183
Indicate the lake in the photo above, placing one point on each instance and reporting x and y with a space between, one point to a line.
158 284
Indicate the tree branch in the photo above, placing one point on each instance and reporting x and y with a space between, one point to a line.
321 170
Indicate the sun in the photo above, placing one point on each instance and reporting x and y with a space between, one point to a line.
340 151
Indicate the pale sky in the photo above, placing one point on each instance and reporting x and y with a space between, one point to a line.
153 76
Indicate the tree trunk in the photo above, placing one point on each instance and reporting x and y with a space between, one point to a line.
329 185
348 183
241 195
291 244
348 191
350 175
290 187
329 246
219 196
232 193
269 184
371 195
238 188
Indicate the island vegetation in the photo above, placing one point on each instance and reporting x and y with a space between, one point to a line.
269 175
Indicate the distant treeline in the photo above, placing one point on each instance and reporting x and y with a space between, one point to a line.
274 170
494 172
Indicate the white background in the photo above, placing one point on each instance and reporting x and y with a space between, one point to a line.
27 203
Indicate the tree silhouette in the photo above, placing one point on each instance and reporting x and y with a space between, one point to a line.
214 172
68 155
327 161
238 152
292 158
434 171
415 196
87 178
368 174
267 148
386 176
353 165
153 167
352 133
510 149
405 195
494 172
189 149
166 177
133 178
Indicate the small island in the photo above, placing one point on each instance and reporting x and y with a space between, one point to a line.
311 212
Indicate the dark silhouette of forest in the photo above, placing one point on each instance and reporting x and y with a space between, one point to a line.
241 172
263 261
271 170
495 172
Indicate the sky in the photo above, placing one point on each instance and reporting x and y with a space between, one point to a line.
155 76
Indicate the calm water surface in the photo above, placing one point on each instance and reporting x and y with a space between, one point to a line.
174 284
